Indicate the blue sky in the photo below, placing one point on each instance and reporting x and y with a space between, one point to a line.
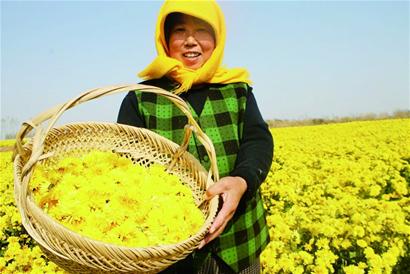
307 59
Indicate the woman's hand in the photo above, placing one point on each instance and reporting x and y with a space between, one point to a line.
231 190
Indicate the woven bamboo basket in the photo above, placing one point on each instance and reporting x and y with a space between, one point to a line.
79 254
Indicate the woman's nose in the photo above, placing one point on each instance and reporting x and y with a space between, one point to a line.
190 40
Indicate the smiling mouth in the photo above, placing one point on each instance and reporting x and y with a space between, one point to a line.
191 54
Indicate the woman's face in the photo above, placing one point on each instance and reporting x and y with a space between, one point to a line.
191 41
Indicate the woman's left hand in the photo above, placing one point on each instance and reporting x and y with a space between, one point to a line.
231 190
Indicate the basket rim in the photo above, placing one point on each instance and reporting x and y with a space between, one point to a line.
213 203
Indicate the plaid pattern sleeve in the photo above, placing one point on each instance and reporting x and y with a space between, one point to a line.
222 120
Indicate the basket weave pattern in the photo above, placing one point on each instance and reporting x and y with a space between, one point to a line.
79 254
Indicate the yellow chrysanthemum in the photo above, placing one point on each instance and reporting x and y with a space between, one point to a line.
108 198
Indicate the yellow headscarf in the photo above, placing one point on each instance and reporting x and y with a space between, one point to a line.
211 71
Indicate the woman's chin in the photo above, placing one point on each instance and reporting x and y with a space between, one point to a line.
194 63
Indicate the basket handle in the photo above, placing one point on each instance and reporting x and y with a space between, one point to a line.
55 113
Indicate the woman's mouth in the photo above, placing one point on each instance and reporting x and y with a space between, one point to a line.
192 59
191 54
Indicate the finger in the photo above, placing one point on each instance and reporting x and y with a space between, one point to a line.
217 224
211 236
223 216
215 189
202 244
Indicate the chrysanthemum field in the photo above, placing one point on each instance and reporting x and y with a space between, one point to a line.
337 196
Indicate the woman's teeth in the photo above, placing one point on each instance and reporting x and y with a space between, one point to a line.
191 54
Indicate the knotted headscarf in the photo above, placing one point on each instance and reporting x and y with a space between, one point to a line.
211 71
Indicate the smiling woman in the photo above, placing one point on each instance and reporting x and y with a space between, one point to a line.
189 39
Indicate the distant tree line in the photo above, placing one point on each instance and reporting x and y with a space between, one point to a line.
9 125
399 114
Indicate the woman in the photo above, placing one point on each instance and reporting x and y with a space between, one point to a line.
190 39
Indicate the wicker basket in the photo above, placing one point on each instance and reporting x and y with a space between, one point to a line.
79 254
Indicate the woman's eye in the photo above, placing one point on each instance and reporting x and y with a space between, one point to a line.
203 34
179 30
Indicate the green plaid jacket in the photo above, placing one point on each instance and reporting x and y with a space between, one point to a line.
246 235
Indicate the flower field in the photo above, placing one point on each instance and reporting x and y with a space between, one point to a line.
338 201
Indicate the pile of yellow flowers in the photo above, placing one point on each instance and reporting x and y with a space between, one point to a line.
338 199
107 197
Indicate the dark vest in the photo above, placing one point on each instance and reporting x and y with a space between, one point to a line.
246 235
